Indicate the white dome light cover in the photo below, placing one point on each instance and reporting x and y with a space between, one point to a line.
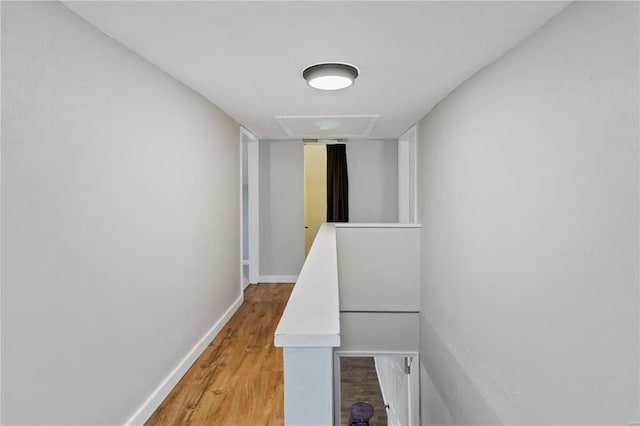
330 76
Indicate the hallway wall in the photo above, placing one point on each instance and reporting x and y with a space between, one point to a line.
373 197
120 221
281 210
528 197
373 180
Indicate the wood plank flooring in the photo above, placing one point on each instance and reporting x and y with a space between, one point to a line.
359 382
238 379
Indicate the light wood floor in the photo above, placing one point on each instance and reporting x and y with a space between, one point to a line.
238 380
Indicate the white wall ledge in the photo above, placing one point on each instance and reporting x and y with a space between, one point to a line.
312 315
377 225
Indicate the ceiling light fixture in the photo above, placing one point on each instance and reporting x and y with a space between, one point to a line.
330 76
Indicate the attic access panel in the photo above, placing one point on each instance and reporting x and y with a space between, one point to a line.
327 126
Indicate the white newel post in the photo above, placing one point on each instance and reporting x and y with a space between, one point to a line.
308 386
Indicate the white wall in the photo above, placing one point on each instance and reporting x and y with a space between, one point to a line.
432 409
373 197
120 221
378 268
308 386
281 208
373 180
379 331
528 197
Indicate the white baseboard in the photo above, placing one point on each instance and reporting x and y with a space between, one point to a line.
160 393
278 278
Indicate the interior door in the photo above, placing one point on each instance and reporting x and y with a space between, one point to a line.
315 191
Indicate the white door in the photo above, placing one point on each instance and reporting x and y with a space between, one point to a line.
398 377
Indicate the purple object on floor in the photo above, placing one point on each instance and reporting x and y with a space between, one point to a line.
361 411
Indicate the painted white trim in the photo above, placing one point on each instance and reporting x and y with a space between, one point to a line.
278 278
284 127
345 354
154 400
385 400
373 118
1 248
407 176
414 187
241 200
377 225
372 123
414 392
403 181
253 180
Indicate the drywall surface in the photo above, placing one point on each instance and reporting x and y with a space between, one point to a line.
379 332
281 208
372 166
373 197
120 221
432 409
378 268
528 197
308 386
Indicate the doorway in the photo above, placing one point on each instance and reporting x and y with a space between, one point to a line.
389 382
249 208
315 191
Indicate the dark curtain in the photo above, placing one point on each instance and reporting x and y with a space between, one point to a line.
337 184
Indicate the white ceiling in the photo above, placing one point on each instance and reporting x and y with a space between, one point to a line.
248 57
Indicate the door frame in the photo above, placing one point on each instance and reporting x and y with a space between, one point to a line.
414 381
253 181
407 176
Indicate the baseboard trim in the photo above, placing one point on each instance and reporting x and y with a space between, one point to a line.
154 400
278 278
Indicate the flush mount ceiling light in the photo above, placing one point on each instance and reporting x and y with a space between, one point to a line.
330 76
